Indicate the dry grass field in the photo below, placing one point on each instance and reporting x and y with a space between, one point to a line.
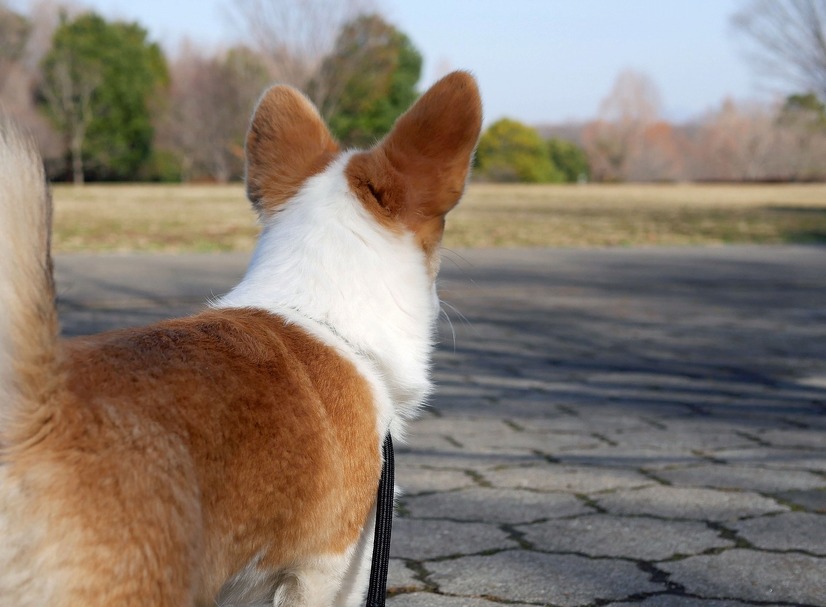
206 218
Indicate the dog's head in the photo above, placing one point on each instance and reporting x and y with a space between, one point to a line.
350 239
407 182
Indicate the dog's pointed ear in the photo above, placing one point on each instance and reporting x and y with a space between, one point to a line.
418 172
287 142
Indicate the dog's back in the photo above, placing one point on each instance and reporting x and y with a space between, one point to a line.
231 457
129 456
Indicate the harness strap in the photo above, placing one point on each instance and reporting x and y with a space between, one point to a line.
377 591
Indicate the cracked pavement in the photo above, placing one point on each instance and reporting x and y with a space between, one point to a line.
610 426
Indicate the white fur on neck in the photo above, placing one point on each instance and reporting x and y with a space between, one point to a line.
325 263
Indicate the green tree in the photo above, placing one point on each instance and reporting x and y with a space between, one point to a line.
511 151
808 107
801 122
98 81
368 80
570 159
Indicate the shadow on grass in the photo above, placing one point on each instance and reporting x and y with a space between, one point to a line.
801 225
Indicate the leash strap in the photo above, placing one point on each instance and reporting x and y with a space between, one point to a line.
377 590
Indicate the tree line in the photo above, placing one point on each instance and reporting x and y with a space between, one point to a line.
736 141
106 103
629 140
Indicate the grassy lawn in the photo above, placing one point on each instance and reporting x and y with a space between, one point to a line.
218 218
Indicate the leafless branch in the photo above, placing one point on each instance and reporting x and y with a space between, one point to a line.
787 41
294 35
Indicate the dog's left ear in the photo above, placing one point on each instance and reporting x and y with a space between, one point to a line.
418 172
287 142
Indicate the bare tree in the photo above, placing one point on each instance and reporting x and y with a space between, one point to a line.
615 138
68 89
45 16
659 155
14 31
788 40
633 99
67 80
295 36
20 69
738 142
206 113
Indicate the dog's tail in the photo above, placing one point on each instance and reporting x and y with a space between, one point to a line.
28 318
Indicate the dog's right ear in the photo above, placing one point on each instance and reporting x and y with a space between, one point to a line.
287 143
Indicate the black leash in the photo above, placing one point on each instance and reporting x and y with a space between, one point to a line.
377 590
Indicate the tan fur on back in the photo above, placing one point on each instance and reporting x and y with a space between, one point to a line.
146 432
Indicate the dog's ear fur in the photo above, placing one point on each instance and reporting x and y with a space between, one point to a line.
287 142
418 172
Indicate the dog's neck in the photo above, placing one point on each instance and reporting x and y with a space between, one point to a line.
324 263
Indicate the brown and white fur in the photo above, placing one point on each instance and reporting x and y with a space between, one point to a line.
231 457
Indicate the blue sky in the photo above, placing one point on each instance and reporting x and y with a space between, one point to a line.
539 61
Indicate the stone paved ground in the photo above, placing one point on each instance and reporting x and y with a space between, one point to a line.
612 427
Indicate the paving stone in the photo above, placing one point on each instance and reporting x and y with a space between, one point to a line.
626 456
811 422
593 405
401 578
453 385
670 600
814 381
752 576
787 531
686 503
813 500
812 438
544 579
428 599
633 538
585 424
491 436
680 441
495 505
511 382
435 459
767 410
692 426
428 441
554 477
543 442
653 381
776 457
419 540
752 478
467 405
413 480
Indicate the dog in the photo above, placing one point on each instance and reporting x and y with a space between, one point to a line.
231 457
